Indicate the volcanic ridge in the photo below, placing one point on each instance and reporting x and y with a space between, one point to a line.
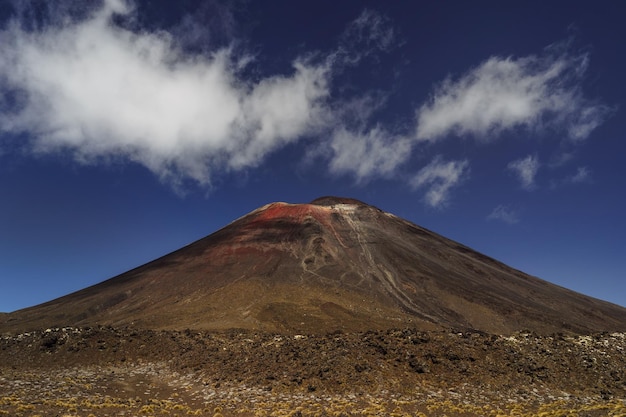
332 264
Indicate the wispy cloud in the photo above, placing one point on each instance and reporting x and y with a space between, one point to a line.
504 93
505 214
439 177
561 158
581 176
374 153
526 170
369 33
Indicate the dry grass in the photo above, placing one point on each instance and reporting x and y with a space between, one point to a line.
152 389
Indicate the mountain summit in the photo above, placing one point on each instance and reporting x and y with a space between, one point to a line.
333 264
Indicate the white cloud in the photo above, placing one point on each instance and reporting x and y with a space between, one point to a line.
500 94
100 90
440 177
367 154
526 169
505 214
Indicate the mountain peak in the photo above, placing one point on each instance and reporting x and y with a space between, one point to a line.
332 201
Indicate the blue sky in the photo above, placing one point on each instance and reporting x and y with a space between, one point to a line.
129 129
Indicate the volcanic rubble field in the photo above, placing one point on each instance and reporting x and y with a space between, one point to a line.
106 371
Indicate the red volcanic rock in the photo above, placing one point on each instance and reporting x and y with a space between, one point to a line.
336 263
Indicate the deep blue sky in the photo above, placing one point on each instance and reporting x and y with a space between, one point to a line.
128 130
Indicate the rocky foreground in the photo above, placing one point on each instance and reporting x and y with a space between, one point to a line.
104 371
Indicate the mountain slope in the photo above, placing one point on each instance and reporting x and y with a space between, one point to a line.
332 264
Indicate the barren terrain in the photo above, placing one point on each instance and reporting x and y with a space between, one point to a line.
106 371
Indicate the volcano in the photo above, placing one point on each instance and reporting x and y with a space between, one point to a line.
333 264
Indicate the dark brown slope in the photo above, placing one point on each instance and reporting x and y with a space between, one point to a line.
332 264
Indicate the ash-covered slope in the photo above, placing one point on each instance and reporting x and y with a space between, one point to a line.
332 264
